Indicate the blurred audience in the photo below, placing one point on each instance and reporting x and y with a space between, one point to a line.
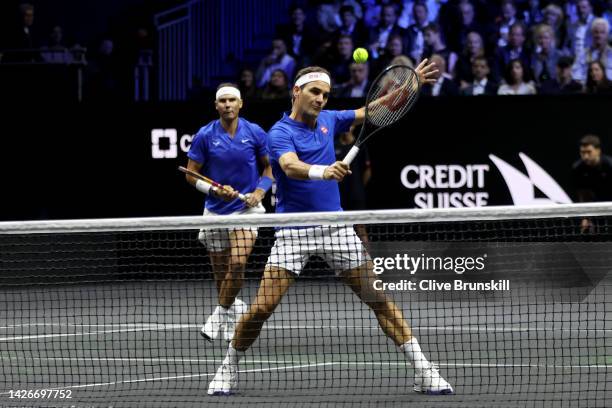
554 17
481 84
506 20
435 44
598 50
579 31
387 28
298 35
357 86
543 34
246 84
474 48
353 27
597 82
564 84
277 59
516 81
277 87
545 55
444 86
22 39
338 60
515 49
415 32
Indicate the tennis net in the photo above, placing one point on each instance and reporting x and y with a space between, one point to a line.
512 303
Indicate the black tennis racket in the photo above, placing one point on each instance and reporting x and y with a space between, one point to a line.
392 94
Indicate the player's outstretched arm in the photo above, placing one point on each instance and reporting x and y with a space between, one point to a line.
297 169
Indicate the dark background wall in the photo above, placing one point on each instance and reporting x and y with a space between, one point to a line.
87 160
86 21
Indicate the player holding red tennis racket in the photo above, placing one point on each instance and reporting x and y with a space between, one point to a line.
229 151
303 161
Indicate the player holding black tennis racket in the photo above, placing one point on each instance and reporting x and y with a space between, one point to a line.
301 148
229 151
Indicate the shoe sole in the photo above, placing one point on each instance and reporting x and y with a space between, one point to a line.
446 391
221 393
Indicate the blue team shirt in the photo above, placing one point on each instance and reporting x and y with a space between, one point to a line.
229 161
312 146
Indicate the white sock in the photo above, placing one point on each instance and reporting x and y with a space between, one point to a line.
412 349
233 356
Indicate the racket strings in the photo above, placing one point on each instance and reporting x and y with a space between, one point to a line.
392 96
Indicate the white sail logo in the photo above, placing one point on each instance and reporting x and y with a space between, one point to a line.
522 187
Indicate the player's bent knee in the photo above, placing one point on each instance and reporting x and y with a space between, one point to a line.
238 261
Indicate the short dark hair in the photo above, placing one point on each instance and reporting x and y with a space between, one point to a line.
481 58
308 70
508 71
420 3
224 84
590 140
347 8
519 24
296 6
565 62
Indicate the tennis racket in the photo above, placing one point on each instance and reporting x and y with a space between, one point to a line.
392 94
213 183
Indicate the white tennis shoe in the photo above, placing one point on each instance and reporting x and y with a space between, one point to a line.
233 317
429 381
225 381
214 324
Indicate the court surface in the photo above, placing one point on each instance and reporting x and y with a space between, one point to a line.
138 344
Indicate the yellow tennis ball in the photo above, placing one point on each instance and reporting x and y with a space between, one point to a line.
360 55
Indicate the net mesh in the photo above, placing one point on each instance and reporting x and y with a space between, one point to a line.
105 314
392 94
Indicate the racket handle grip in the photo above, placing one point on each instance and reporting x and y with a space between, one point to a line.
242 197
351 155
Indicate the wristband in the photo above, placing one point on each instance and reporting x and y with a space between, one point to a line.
203 186
265 183
316 172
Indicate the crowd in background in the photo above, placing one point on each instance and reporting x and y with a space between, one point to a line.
487 47
506 47
108 61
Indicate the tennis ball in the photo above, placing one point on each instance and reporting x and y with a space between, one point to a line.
360 55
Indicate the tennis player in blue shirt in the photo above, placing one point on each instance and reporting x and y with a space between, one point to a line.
304 165
228 151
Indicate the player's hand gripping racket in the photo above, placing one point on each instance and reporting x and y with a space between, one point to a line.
392 94
214 184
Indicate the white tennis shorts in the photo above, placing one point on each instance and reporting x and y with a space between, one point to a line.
217 240
338 245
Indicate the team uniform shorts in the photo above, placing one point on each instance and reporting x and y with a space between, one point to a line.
338 245
217 240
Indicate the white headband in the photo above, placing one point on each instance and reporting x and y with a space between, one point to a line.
228 90
313 76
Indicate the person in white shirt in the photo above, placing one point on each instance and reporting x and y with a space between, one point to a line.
515 83
599 50
481 85
444 86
